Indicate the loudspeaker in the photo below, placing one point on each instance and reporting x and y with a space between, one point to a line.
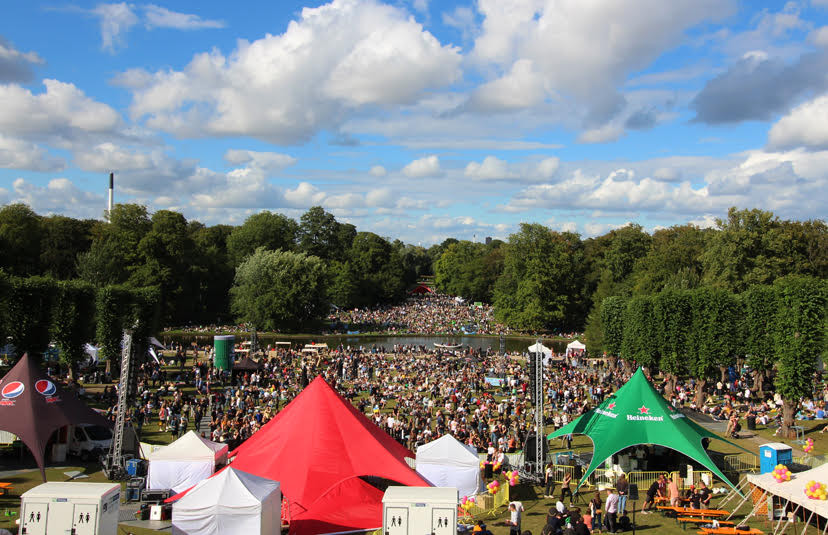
529 448
633 492
578 472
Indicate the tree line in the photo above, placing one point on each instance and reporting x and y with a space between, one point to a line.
281 274
777 329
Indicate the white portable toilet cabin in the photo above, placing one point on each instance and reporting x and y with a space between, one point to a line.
57 508
420 510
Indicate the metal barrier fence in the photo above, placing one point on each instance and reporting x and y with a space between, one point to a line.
605 478
811 461
737 462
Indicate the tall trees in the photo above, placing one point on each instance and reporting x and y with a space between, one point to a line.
541 283
799 339
279 290
28 306
63 239
378 268
72 320
640 334
266 229
715 337
20 236
321 235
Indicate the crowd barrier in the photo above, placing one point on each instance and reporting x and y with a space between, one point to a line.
487 505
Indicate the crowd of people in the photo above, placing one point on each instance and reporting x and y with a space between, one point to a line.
429 313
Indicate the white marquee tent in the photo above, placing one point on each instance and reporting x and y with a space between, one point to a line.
793 491
445 462
575 345
230 503
538 347
185 462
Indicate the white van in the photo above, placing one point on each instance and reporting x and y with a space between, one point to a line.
90 441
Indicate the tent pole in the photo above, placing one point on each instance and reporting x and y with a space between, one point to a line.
737 491
779 523
747 495
805 527
753 511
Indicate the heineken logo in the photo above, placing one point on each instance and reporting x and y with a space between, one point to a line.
643 410
606 413
611 406
645 418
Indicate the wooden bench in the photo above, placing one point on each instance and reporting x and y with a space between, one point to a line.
729 531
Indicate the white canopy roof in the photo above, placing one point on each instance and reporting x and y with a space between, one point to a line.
191 447
231 502
446 462
794 490
537 347
575 344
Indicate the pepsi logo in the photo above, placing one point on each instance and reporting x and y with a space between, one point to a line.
12 390
45 387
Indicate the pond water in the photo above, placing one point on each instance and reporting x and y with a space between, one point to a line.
481 343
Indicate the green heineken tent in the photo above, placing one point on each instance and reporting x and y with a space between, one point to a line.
637 414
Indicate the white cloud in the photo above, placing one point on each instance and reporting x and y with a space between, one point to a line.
492 168
116 20
15 66
62 113
423 167
522 87
267 162
59 196
604 134
586 50
160 17
462 18
378 171
806 125
354 53
108 157
20 154
819 36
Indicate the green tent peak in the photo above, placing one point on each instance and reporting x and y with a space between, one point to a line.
637 414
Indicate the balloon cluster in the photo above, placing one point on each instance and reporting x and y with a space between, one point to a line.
493 486
466 503
513 478
781 473
497 466
816 491
809 445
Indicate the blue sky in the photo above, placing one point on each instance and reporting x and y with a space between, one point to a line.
419 119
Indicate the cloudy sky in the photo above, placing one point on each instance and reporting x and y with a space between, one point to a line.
419 119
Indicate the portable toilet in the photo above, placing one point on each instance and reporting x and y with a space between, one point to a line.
772 454
57 508
224 352
420 510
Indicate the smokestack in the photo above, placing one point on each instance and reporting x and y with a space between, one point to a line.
111 193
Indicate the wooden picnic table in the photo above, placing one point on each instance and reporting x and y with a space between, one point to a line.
5 488
700 512
729 531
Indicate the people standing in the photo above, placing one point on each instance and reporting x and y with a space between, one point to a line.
623 488
550 482
611 508
514 519
566 487
595 511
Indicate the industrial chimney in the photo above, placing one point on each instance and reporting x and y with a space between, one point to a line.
111 194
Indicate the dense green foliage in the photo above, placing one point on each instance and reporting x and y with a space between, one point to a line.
540 287
540 280
279 290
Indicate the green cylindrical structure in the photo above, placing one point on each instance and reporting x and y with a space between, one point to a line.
224 351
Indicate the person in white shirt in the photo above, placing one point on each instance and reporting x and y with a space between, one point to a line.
611 509
514 519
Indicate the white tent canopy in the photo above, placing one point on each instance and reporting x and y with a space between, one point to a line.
537 347
446 462
794 490
230 503
575 345
185 462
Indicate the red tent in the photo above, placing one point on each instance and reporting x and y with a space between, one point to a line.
317 447
33 407
421 289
